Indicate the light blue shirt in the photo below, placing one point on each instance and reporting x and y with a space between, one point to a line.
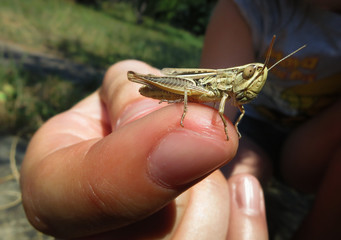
309 81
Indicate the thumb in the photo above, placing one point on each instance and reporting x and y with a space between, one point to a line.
145 164
106 182
151 158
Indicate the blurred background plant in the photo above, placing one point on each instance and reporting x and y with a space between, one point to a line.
27 99
95 34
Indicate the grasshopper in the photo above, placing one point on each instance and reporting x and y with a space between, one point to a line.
241 84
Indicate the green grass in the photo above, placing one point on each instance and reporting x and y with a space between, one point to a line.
28 99
97 37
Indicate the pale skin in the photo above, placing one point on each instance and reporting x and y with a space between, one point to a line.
119 166
311 155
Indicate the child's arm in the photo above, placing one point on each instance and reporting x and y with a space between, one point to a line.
228 41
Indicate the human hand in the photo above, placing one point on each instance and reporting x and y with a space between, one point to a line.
113 163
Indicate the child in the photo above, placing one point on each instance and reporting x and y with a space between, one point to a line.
294 122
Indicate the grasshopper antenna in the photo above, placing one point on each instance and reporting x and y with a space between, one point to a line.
287 57
267 56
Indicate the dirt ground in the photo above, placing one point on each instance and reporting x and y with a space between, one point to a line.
13 222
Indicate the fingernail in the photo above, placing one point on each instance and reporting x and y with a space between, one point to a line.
184 156
247 194
137 110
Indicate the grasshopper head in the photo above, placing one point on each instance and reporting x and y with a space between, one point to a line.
249 82
251 78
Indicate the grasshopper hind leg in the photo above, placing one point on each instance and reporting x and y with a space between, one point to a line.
185 108
221 113
225 125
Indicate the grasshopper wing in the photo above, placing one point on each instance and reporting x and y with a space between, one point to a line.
192 73
173 84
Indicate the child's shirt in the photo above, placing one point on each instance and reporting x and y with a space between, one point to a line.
307 82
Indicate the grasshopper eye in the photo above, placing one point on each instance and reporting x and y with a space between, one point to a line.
248 72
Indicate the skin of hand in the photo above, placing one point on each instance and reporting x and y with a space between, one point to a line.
112 165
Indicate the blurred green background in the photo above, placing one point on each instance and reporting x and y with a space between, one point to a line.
48 47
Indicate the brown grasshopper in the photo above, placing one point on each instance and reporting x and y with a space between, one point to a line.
242 84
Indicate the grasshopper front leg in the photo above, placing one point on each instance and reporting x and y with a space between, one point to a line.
242 113
221 113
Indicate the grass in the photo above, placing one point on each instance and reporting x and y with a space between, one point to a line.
95 37
27 99
84 35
